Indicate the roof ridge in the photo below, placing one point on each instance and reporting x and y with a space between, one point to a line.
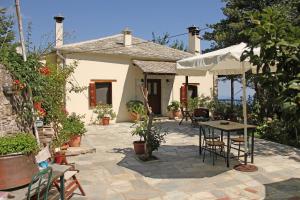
92 40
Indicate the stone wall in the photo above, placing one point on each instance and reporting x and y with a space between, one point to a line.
8 117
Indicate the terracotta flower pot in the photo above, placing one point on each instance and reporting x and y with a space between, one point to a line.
139 147
75 141
176 113
60 158
134 116
105 121
171 115
16 170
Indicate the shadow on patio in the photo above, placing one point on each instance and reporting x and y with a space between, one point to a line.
174 162
185 129
267 148
288 189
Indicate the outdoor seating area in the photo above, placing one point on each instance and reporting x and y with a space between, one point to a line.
208 109
115 172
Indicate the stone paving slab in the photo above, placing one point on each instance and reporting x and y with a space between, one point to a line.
114 173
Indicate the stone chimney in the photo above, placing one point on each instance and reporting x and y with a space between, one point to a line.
127 37
59 30
194 40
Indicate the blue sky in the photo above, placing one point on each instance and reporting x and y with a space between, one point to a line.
90 19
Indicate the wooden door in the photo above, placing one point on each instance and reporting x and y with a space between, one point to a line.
154 95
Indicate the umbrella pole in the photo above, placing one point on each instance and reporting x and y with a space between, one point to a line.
245 113
245 167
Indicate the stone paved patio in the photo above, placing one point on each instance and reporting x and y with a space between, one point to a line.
114 173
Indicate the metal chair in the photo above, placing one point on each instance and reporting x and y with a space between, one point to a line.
238 141
212 143
40 184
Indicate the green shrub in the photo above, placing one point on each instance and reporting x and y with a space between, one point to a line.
174 106
135 106
140 129
73 126
20 143
104 110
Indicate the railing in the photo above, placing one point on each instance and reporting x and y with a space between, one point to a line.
235 101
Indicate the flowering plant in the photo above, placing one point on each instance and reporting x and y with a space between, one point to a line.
18 85
44 71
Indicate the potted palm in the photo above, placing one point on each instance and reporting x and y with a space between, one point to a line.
73 127
173 109
17 162
136 109
104 113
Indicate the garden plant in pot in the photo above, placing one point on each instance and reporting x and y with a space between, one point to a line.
58 147
73 127
104 113
140 131
173 109
17 162
136 109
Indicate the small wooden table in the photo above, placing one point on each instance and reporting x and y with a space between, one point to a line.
58 171
228 128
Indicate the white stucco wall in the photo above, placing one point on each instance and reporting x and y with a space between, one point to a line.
127 85
106 68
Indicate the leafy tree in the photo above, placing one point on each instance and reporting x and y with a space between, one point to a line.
164 40
7 35
226 32
278 36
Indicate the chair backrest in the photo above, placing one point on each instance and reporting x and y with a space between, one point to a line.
201 112
40 185
208 133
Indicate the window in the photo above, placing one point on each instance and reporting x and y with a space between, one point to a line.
192 91
100 92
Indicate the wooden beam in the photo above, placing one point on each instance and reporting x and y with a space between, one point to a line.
103 80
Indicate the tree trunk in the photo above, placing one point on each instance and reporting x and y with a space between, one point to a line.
148 151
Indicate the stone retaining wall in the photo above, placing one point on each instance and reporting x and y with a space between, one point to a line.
8 118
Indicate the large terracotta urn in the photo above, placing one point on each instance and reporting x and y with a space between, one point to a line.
16 170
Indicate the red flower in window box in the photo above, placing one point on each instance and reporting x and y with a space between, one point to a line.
45 71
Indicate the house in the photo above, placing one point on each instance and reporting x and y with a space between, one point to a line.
115 67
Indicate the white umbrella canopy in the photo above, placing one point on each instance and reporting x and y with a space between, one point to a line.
221 62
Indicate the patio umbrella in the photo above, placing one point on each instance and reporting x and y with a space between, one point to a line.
221 62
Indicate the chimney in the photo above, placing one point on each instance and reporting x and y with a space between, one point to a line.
194 40
127 37
59 31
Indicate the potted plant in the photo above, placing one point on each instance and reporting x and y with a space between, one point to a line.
17 162
173 109
136 109
104 113
73 127
140 131
58 144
